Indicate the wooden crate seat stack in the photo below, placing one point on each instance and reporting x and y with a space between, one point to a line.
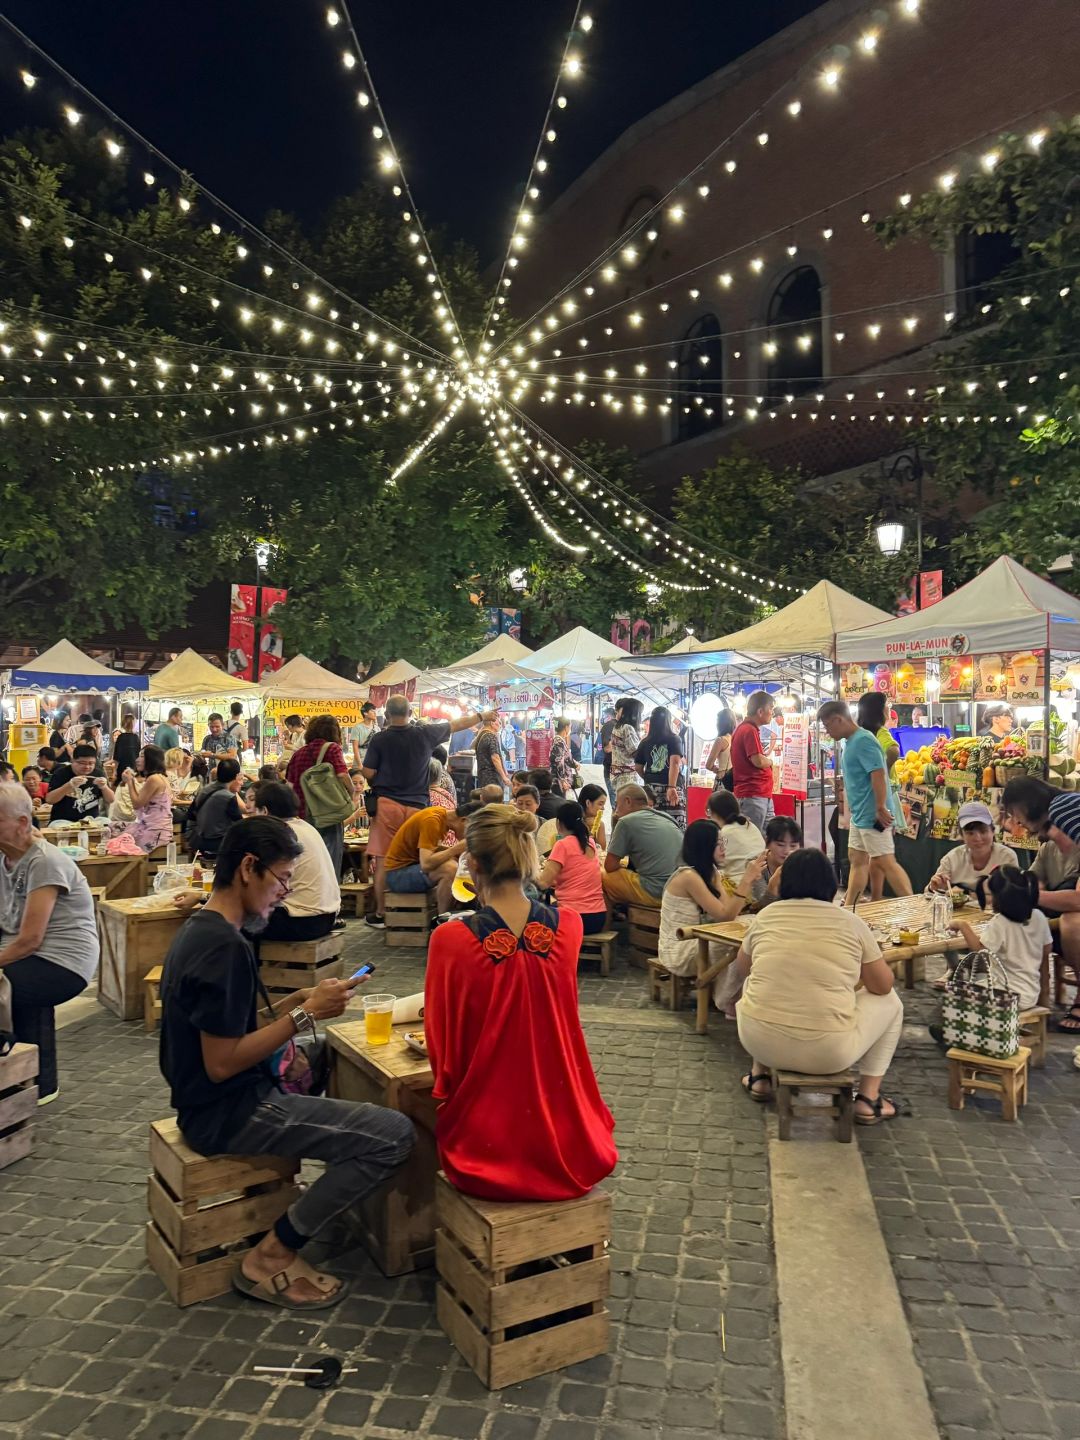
357 897
644 936
521 1287
18 1102
601 947
970 1074
1033 1034
409 919
205 1210
288 965
152 999
788 1087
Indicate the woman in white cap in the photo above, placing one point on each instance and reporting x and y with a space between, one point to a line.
964 866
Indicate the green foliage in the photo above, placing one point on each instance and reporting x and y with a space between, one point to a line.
782 529
1011 480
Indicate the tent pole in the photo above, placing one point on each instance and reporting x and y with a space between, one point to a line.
1046 714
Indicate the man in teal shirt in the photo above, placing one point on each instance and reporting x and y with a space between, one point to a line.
870 837
167 734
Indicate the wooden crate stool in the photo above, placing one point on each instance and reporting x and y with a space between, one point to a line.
205 1210
151 999
18 1102
135 936
522 1286
644 934
408 918
788 1085
288 965
969 1073
357 897
667 989
600 946
1033 1034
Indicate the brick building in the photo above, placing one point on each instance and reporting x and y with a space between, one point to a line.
761 277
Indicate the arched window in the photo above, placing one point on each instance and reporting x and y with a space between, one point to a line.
793 344
698 401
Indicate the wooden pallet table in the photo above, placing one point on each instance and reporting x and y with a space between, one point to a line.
135 936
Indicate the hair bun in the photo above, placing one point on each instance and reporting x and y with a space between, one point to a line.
523 820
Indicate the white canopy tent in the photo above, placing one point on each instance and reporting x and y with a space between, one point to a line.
1006 607
65 667
585 660
499 661
302 679
192 677
398 672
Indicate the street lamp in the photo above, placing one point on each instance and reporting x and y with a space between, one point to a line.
890 537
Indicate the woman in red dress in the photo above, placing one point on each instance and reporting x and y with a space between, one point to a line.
521 1115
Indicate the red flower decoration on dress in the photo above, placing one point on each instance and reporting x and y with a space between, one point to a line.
538 937
500 944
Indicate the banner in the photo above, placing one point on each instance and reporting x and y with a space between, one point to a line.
930 588
957 678
271 650
524 697
795 754
379 694
502 621
241 656
345 712
906 603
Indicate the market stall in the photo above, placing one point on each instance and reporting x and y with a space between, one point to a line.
301 687
996 657
397 678
63 674
199 688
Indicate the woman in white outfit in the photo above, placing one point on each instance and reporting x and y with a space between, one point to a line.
696 894
803 957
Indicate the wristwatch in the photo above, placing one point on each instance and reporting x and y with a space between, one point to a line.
302 1020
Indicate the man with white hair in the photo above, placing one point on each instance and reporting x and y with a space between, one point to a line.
396 765
48 936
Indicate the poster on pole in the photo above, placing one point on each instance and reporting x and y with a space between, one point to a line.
241 657
795 754
271 649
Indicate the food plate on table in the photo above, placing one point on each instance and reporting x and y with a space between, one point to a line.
958 897
416 1040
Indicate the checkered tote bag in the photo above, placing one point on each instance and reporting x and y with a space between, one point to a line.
978 1014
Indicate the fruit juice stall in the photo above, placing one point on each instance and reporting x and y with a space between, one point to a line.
994 662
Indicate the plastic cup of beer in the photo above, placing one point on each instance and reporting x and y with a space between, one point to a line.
207 881
378 1018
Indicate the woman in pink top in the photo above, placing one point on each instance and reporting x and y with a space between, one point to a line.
572 869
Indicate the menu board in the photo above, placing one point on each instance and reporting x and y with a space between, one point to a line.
903 681
795 754
1018 676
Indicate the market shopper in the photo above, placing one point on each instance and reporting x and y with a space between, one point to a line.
718 760
963 867
625 739
649 842
817 997
572 869
872 714
541 781
866 786
126 747
396 765
490 767
76 793
322 746
603 745
751 768
361 733
561 761
310 908
214 809
1054 816
216 745
151 800
419 858
659 761
236 730
168 734
216 1060
48 931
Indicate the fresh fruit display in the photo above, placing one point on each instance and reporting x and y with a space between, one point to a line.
910 768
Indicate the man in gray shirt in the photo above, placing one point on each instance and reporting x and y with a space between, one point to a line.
651 845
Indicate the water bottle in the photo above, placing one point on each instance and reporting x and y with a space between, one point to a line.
941 912
170 855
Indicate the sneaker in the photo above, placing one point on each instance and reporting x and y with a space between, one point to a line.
339 924
375 921
937 1034
48 1099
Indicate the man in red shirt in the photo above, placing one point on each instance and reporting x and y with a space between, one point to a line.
751 768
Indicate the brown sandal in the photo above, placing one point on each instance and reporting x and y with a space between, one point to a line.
272 1291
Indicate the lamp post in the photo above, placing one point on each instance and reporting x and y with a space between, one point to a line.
908 467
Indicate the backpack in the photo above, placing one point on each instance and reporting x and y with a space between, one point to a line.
325 799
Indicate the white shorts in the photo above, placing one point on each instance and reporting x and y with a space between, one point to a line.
871 841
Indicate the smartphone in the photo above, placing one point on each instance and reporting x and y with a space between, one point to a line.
361 974
878 825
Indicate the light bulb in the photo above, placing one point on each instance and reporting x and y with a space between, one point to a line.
830 78
27 79
794 107
71 115
348 59
113 148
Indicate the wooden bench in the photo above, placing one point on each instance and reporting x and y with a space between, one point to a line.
409 918
205 1210
644 934
668 989
1008 1078
18 1102
151 999
788 1086
288 965
521 1287
1033 1034
357 896
600 946
135 936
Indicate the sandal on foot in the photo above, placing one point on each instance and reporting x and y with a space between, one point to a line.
877 1106
749 1081
1069 1024
272 1291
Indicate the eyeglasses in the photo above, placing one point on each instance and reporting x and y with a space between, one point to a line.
286 885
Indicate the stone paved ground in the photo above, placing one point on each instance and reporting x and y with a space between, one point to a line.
90 1346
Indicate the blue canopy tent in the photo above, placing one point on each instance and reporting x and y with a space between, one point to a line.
64 667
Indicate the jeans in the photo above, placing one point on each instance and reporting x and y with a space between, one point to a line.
410 880
334 840
758 809
37 986
594 923
361 1146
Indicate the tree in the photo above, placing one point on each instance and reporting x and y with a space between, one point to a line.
1004 447
782 528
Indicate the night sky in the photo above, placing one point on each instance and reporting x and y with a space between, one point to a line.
251 95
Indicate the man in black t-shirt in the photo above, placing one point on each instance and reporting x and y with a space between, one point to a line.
603 744
550 803
490 769
216 1060
213 810
75 792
